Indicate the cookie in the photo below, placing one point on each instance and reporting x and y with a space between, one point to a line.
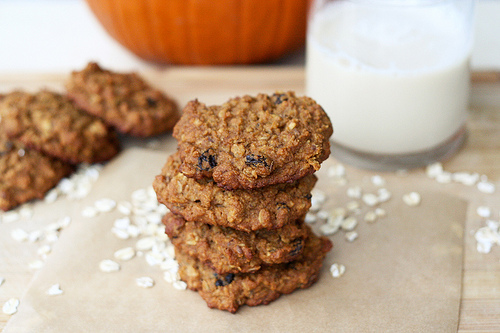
203 201
230 291
26 174
252 142
227 250
123 100
49 122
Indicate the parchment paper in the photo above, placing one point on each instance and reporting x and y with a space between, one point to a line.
403 273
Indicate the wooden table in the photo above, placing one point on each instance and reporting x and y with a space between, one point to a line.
480 306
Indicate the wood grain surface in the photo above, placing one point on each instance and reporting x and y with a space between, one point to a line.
480 306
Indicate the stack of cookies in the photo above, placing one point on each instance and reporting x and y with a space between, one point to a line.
43 135
238 189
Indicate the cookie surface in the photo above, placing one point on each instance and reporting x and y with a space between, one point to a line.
251 142
230 291
26 174
123 100
227 250
203 201
49 122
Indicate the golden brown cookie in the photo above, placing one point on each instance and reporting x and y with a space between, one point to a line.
123 100
227 250
230 291
203 201
251 142
26 174
49 122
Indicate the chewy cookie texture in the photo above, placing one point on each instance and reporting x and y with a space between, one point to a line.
122 100
44 134
238 190
202 200
49 122
251 142
26 174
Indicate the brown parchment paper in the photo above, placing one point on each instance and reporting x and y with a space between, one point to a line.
403 273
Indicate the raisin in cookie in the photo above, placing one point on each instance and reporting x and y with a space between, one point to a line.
26 174
251 142
49 122
123 100
230 291
203 201
227 250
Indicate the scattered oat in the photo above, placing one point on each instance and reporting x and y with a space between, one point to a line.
124 207
349 223
351 236
483 211
125 254
412 199
370 199
2 280
310 218
44 250
179 285
89 212
337 270
26 212
55 290
10 307
328 229
35 236
354 192
109 266
486 187
317 200
10 216
383 195
105 205
378 180
145 282
370 216
19 235
433 170
36 264
444 178
145 243
51 196
380 212
322 215
465 178
352 206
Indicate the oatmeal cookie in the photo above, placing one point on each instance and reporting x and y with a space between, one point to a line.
49 122
227 250
251 142
123 100
203 201
230 291
26 174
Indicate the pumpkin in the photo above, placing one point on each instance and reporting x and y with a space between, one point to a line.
205 31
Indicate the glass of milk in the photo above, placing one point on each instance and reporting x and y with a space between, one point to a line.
393 75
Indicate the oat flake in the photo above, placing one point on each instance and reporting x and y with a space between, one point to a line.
412 199
145 282
19 235
349 223
337 270
370 199
10 307
2 280
125 254
105 205
54 290
109 266
180 285
483 211
486 187
351 236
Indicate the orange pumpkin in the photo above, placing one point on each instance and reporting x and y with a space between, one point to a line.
205 31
